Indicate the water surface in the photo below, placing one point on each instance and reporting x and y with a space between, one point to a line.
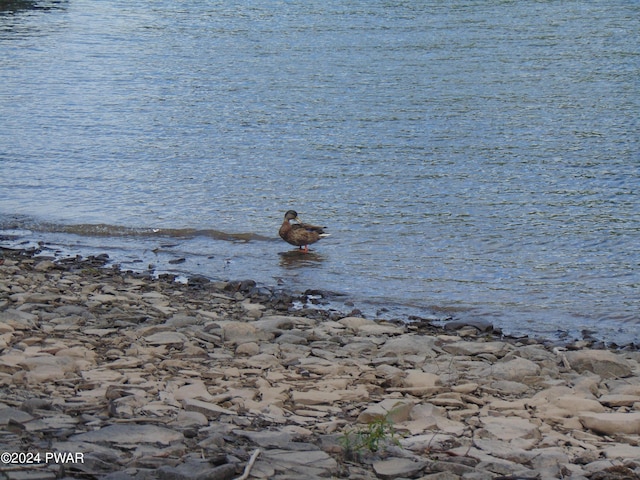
475 158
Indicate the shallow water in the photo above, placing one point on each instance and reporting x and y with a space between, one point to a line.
478 159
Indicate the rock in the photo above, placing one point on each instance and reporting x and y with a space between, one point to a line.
394 410
210 410
182 320
275 324
195 390
480 325
10 414
44 266
601 362
6 328
354 323
502 449
573 403
197 470
378 329
612 423
191 419
418 378
267 438
409 345
166 338
242 332
621 450
510 428
129 435
516 370
393 468
314 397
507 387
249 349
309 463
155 378
476 348
18 319
617 400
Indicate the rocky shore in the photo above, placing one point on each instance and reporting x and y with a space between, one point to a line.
113 375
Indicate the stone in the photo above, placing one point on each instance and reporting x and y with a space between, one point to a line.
44 266
354 323
166 338
242 332
516 370
410 345
392 409
275 324
129 435
195 389
418 378
395 467
314 462
618 400
601 362
510 428
507 387
249 349
314 397
476 348
210 410
18 319
190 419
10 414
502 449
612 423
6 328
622 450
267 438
155 378
573 404
377 329
197 470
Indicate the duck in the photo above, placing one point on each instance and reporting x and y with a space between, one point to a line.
300 234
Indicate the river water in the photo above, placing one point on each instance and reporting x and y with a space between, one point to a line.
479 160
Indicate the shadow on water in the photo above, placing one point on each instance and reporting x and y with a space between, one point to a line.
14 6
21 223
297 259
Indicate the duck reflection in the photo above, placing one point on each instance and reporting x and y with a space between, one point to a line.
298 259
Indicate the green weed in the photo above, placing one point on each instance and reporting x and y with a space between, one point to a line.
371 437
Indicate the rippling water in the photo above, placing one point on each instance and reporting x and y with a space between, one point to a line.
475 158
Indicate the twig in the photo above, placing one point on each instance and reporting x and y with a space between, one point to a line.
247 469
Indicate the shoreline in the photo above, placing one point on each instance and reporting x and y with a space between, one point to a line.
150 378
328 304
555 322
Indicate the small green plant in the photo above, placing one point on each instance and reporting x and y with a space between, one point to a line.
372 437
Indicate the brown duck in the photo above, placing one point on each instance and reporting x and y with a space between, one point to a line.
300 234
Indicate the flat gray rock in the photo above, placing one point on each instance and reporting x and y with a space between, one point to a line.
601 362
13 414
130 434
398 467
315 462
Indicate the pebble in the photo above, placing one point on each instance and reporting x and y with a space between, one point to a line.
150 378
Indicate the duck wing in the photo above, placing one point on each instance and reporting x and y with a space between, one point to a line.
308 227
